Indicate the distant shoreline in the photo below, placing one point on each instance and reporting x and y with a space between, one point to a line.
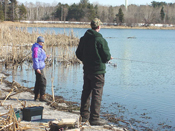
66 25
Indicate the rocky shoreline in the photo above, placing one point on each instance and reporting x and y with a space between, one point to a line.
17 96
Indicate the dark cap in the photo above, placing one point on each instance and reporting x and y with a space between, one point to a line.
96 22
40 39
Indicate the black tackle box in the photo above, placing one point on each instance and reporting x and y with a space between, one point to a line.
32 113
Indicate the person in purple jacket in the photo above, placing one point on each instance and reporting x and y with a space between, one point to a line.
38 57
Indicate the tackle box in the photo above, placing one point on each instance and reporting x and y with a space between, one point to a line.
32 113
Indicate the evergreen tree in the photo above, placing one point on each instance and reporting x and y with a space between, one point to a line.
75 12
12 10
120 16
96 11
91 12
162 14
61 11
58 11
1 13
22 12
5 5
84 2
158 4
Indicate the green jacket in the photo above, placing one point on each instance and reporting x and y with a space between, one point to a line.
94 52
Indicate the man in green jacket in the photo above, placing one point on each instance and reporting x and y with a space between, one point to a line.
94 53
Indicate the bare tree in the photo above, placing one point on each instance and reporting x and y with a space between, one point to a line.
5 9
103 13
111 15
135 14
148 15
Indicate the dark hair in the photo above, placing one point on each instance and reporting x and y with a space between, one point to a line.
94 28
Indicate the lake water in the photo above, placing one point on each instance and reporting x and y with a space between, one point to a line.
140 90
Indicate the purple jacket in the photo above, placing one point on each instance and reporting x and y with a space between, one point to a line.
38 56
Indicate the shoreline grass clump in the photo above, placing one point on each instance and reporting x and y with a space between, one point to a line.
16 43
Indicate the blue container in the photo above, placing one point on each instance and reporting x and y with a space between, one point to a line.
17 114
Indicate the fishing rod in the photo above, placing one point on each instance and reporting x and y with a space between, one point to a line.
140 61
115 65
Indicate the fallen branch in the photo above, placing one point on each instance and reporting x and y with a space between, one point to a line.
8 95
6 126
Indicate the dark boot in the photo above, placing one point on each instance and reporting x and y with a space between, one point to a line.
84 119
36 97
98 122
42 98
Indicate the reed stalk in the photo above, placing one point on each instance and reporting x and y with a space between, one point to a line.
16 43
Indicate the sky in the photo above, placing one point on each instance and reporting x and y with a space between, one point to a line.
101 2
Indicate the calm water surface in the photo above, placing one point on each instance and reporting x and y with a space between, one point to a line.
141 87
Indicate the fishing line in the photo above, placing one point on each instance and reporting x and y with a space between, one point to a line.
141 61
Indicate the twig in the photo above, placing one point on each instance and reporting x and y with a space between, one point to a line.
1 79
53 89
22 104
6 126
7 97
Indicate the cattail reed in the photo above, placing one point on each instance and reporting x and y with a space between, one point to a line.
16 44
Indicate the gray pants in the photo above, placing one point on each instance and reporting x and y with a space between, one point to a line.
92 96
40 83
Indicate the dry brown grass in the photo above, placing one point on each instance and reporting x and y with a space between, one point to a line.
45 25
82 26
16 42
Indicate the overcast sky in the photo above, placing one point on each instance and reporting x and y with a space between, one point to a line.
101 2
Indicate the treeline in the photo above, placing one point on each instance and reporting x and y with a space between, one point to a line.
84 11
11 11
